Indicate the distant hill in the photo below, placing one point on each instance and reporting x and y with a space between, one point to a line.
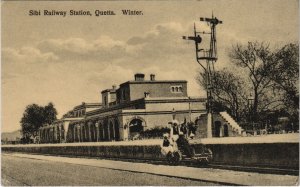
11 136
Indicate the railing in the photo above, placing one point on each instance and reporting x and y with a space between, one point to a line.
263 129
231 121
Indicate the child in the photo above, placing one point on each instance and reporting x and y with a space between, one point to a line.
167 145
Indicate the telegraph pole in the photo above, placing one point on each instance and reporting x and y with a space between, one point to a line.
206 58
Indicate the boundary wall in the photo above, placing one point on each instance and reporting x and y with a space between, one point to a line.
279 155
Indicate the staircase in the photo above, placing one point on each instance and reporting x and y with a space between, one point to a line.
231 121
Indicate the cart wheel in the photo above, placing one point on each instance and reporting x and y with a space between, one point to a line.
176 157
204 162
170 158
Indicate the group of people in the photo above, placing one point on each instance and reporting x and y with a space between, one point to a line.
178 139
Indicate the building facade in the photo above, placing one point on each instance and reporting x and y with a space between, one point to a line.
127 111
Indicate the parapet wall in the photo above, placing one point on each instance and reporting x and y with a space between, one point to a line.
282 155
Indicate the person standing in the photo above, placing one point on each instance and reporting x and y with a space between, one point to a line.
174 133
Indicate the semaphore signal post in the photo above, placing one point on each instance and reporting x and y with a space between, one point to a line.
206 58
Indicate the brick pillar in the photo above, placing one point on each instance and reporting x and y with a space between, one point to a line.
89 131
54 133
97 131
209 124
78 132
86 131
114 131
48 135
41 134
45 131
58 134
108 131
103 131
45 135
74 133
61 134
81 132
65 129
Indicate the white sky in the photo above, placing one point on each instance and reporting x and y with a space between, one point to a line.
69 60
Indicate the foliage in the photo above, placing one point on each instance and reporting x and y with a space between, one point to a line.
34 117
285 75
156 132
50 113
271 77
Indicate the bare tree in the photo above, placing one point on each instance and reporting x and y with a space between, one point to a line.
270 76
258 61
227 91
285 73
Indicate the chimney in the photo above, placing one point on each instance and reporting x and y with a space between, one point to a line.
139 77
152 77
114 87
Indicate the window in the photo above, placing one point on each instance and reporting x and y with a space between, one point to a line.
176 89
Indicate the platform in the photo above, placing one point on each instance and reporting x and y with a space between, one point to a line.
224 177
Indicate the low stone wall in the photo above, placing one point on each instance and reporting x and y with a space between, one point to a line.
113 151
283 155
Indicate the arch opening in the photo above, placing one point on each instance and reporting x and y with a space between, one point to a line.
226 134
117 130
135 128
217 128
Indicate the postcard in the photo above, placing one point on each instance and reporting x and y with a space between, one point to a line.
149 92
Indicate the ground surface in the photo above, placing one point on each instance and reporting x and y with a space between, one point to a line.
26 169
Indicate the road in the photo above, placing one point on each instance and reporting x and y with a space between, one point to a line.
48 170
18 171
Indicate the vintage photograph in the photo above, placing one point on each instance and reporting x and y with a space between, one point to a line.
150 93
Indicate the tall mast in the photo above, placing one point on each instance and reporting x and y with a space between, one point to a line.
206 58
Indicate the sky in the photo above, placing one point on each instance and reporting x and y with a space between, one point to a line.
69 60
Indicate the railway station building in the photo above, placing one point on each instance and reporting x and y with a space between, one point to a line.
133 107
